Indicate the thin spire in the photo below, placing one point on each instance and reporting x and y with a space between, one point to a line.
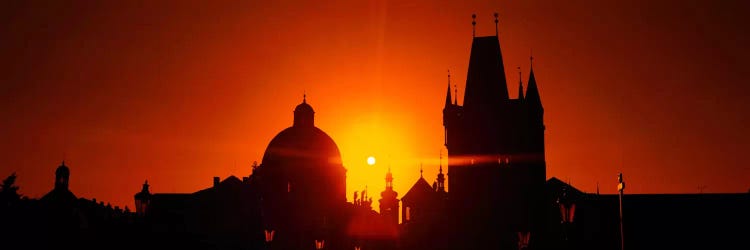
532 90
420 170
496 24
473 25
441 160
448 94
304 96
531 57
449 78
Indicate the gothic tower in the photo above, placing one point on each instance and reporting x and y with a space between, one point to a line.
496 156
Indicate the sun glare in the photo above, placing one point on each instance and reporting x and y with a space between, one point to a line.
371 160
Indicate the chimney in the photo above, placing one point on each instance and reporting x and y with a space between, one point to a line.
216 181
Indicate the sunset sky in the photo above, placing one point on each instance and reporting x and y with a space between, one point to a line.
176 92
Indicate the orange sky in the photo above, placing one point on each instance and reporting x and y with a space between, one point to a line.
178 92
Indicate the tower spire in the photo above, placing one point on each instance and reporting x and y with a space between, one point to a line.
532 90
441 160
441 176
496 24
389 179
473 25
448 92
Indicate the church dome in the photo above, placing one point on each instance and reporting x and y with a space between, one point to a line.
302 143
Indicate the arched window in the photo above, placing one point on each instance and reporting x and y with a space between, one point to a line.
408 214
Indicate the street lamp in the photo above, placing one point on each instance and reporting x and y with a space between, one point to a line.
269 233
567 212
320 244
523 240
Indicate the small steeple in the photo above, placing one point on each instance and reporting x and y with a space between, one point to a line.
440 176
496 24
448 92
62 176
532 91
520 84
145 187
473 25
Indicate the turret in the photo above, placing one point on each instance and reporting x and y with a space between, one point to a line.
304 116
62 176
388 200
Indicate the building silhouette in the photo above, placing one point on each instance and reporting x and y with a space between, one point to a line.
303 184
294 199
499 196
389 201
60 220
496 154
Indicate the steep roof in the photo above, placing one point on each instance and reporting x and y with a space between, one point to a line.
485 81
420 190
532 91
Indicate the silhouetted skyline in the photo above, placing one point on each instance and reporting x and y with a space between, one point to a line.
178 92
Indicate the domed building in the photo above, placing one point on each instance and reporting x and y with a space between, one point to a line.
302 182
61 194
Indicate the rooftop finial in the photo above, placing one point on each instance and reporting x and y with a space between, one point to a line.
441 160
496 23
473 25
531 57
449 77
420 170
304 96
519 73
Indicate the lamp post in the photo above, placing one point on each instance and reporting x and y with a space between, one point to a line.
269 233
620 188
320 244
567 213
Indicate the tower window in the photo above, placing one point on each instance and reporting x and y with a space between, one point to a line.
288 187
408 214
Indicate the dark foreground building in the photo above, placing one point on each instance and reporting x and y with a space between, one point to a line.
499 197
295 199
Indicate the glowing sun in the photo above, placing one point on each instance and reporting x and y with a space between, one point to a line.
371 160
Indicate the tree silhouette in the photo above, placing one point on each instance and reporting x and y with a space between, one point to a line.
9 191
